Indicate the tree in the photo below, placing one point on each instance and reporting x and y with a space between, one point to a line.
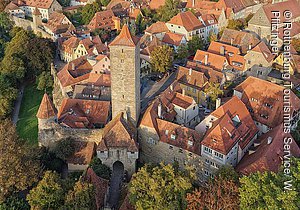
81 197
161 58
44 81
195 44
182 52
218 194
48 194
14 203
267 190
105 2
65 148
169 10
8 95
160 187
100 169
5 27
214 91
88 12
64 3
212 37
236 24
19 168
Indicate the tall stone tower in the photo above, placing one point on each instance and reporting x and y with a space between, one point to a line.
125 75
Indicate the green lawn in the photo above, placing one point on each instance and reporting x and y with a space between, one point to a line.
27 125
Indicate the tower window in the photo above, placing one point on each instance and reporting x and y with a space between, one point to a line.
122 51
122 60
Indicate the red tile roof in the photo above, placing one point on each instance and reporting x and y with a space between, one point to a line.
172 38
185 138
84 152
155 4
187 20
214 60
70 44
103 20
234 124
267 157
46 4
78 113
46 109
158 27
57 23
191 77
125 38
119 133
265 100
264 50
100 185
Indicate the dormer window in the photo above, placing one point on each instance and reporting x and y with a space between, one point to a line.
264 116
190 143
268 105
173 137
254 99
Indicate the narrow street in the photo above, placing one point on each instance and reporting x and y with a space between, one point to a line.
116 184
18 102
155 90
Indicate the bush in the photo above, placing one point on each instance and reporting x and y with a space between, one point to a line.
65 148
100 169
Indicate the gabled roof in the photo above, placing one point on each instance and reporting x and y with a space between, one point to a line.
187 20
158 27
103 19
46 109
267 157
234 124
216 61
46 4
84 152
265 51
240 39
172 38
119 133
57 23
265 101
155 4
100 185
191 77
237 5
78 113
124 38
11 6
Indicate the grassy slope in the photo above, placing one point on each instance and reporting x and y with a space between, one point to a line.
27 125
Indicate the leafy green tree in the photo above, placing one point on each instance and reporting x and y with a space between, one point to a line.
88 12
196 43
160 187
212 37
182 52
19 168
5 27
44 81
8 94
64 3
236 24
64 148
161 58
48 194
169 10
14 203
105 2
100 169
267 190
81 197
214 91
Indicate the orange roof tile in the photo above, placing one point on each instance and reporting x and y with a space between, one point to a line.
119 133
56 23
100 185
124 38
264 50
78 113
265 101
46 4
158 27
172 38
155 4
46 109
191 77
214 60
84 152
187 20
234 124
102 20
267 157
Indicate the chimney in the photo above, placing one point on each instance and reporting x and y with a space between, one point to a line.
222 50
269 140
218 103
159 110
231 41
183 92
73 66
249 46
206 59
125 116
190 71
106 44
194 3
171 87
